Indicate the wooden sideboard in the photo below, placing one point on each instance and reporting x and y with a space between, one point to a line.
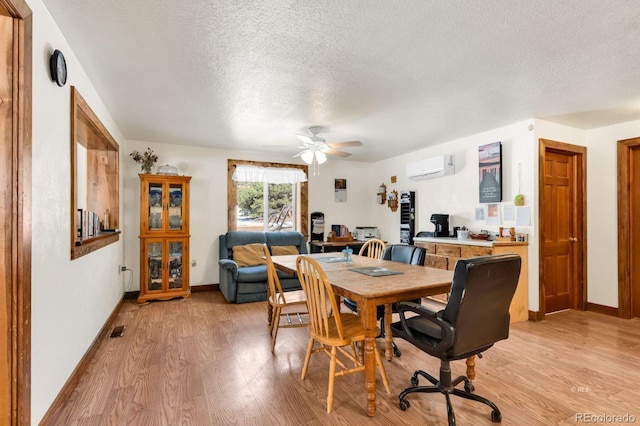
331 246
443 253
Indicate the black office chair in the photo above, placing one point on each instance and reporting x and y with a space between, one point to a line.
411 255
475 317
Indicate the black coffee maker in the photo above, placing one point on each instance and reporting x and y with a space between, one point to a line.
441 221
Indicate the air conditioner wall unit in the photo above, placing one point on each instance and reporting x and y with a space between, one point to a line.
437 166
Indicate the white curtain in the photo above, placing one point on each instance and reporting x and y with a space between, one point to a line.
268 174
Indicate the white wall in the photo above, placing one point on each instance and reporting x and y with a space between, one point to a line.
457 195
208 192
71 300
360 209
602 210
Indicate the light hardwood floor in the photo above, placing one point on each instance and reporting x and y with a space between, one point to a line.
202 361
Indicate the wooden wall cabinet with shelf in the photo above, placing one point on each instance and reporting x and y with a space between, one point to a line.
95 181
164 237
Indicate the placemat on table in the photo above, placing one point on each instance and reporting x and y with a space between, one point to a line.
375 271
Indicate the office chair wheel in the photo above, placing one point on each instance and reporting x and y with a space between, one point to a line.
496 417
414 381
404 404
468 387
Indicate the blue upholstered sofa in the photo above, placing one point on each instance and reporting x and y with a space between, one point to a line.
249 283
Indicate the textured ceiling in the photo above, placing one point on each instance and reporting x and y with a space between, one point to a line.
397 75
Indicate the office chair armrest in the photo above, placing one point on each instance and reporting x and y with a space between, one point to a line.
415 307
448 332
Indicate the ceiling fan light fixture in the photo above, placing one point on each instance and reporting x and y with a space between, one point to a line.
321 157
315 150
307 157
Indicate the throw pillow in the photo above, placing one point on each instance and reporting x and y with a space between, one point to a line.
283 250
249 255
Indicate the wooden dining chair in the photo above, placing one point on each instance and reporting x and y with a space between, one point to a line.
278 299
331 331
373 249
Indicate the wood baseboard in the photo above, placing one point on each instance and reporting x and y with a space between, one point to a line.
54 410
205 287
591 307
601 309
133 295
536 316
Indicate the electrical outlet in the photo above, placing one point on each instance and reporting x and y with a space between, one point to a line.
122 268
194 263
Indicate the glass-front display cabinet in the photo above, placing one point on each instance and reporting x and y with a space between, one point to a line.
164 237
164 205
165 270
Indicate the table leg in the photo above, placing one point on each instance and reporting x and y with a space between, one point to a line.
360 347
369 323
388 338
471 367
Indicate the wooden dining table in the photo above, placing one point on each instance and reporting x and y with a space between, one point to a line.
403 282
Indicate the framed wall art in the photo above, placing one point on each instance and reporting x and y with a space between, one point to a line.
490 172
340 186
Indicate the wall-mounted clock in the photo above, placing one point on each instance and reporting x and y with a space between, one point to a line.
58 68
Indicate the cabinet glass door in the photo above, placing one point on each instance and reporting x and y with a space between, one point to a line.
175 264
175 206
155 206
154 264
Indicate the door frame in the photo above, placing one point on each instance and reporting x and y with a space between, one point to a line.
624 226
579 153
19 287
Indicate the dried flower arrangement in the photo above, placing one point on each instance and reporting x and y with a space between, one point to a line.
146 159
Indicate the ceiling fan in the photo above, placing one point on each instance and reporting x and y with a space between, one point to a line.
316 148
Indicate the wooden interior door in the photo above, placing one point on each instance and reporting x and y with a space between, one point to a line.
6 43
562 227
558 232
634 229
628 228
15 212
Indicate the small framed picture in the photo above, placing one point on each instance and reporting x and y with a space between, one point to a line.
493 214
340 188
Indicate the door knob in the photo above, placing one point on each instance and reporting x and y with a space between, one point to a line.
573 239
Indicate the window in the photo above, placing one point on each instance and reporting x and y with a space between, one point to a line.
254 204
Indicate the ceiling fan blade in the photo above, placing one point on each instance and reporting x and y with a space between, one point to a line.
331 151
344 144
305 139
286 146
